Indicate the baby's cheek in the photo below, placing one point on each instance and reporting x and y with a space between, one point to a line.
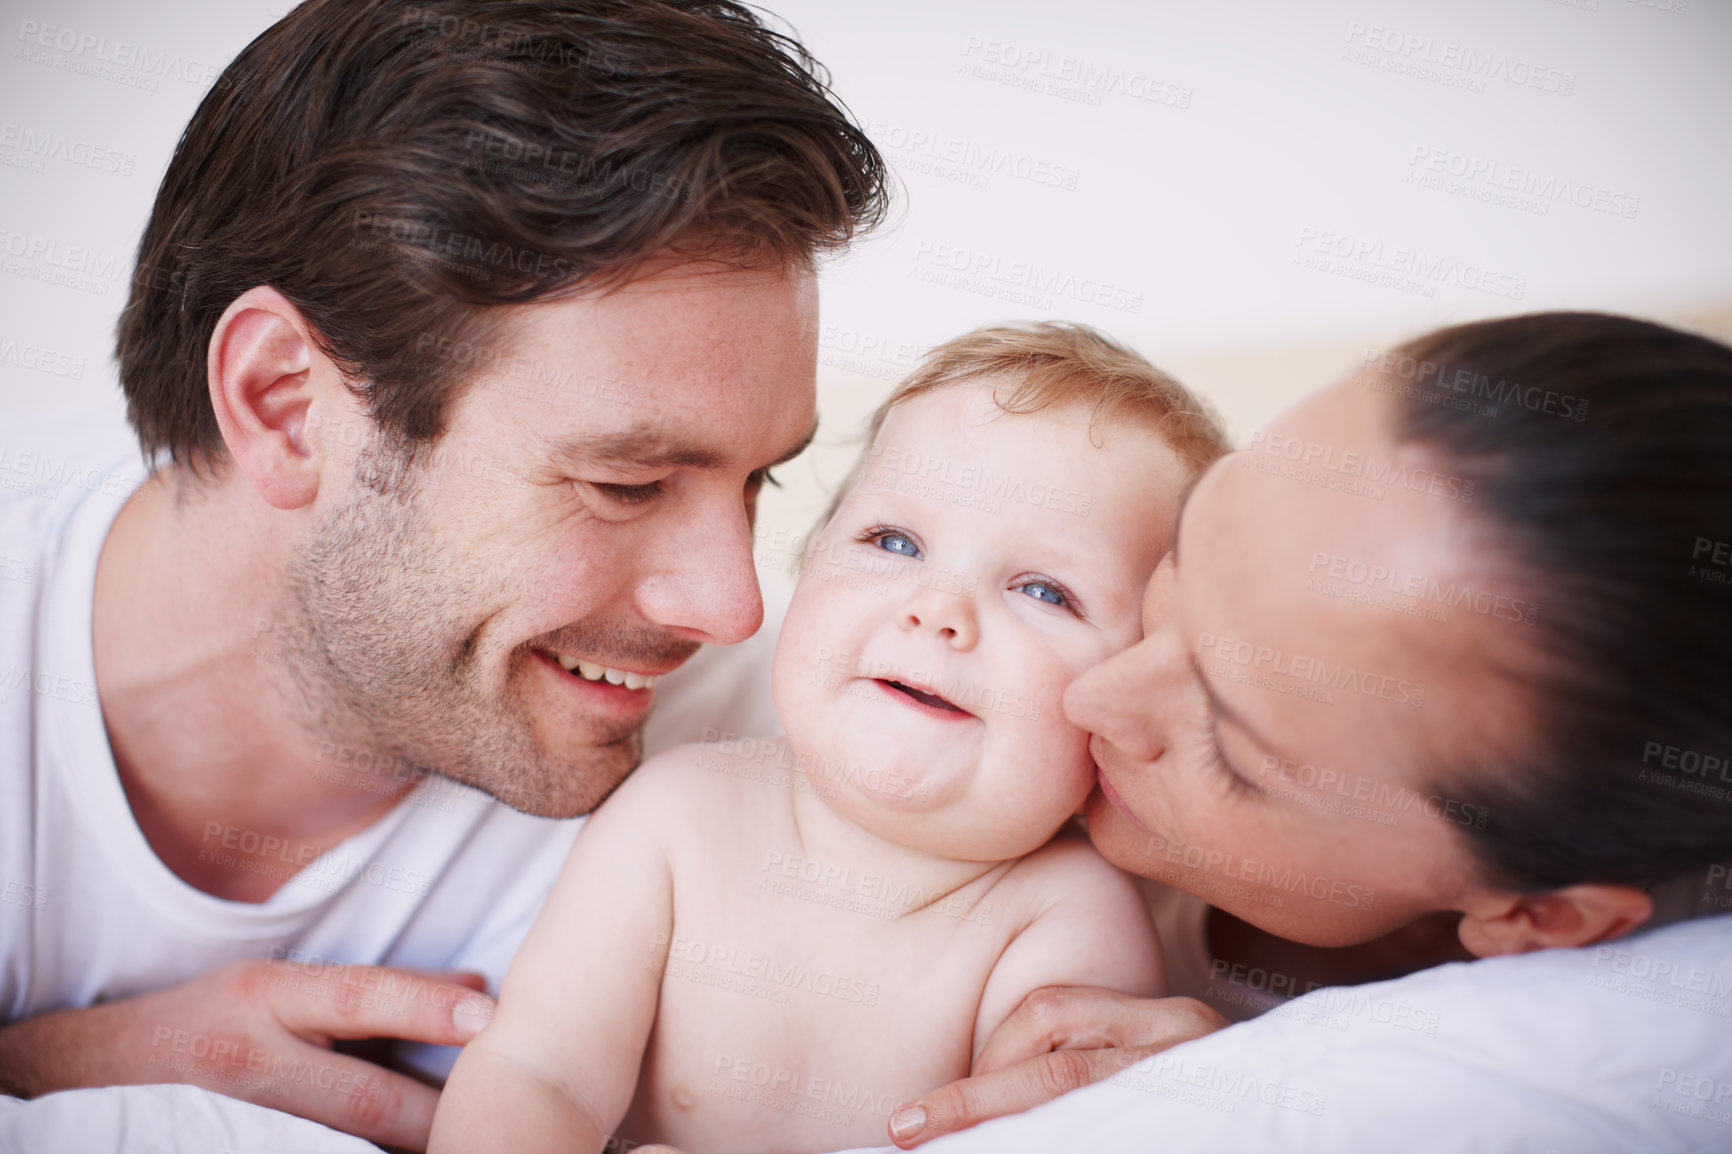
1062 747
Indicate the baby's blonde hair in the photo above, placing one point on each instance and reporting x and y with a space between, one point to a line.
1057 363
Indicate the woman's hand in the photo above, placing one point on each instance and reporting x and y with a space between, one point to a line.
1060 1038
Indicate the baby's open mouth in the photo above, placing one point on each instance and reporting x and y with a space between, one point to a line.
923 697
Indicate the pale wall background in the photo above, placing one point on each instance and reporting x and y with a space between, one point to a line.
1237 174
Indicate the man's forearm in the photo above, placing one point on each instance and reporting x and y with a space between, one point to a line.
61 1050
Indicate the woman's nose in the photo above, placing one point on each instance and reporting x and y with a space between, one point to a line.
1119 700
948 616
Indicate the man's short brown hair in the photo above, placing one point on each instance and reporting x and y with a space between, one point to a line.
402 171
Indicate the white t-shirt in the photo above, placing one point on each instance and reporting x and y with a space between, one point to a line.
449 879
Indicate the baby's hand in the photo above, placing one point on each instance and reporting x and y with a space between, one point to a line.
1059 1039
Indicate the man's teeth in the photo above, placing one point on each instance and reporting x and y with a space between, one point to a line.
590 671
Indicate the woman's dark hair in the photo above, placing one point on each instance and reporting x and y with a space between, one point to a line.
1600 448
399 170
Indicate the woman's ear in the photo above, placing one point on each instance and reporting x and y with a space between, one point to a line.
260 366
1578 915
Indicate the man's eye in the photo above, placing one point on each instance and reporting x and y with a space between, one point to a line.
762 477
892 541
631 494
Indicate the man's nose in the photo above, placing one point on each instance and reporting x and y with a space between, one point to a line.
704 584
950 617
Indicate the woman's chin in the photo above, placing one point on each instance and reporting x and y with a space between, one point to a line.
1118 837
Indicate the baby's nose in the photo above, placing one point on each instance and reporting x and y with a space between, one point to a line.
949 616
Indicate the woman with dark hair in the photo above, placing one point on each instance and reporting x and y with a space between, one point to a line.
1437 670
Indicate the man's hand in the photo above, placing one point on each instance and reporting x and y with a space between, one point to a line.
262 1031
1060 1038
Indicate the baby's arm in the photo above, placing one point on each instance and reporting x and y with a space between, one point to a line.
1090 928
557 1066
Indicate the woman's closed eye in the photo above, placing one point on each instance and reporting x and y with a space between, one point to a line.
1217 763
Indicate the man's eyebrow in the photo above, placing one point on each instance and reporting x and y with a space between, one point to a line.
645 447
796 449
1226 712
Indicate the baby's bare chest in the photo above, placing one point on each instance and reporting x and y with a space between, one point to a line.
803 1011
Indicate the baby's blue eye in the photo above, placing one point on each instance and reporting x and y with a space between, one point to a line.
1042 591
897 543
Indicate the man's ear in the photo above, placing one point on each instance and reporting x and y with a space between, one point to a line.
262 367
1578 915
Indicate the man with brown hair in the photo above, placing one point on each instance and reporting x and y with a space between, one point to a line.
462 338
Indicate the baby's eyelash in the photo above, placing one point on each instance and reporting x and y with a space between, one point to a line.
877 534
1067 600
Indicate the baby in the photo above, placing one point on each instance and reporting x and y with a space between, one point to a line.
769 946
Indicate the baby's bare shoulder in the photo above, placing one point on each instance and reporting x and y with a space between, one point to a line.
1069 867
710 783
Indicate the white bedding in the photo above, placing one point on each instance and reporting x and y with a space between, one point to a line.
1624 1047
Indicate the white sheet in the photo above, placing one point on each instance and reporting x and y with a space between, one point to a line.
1620 1047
